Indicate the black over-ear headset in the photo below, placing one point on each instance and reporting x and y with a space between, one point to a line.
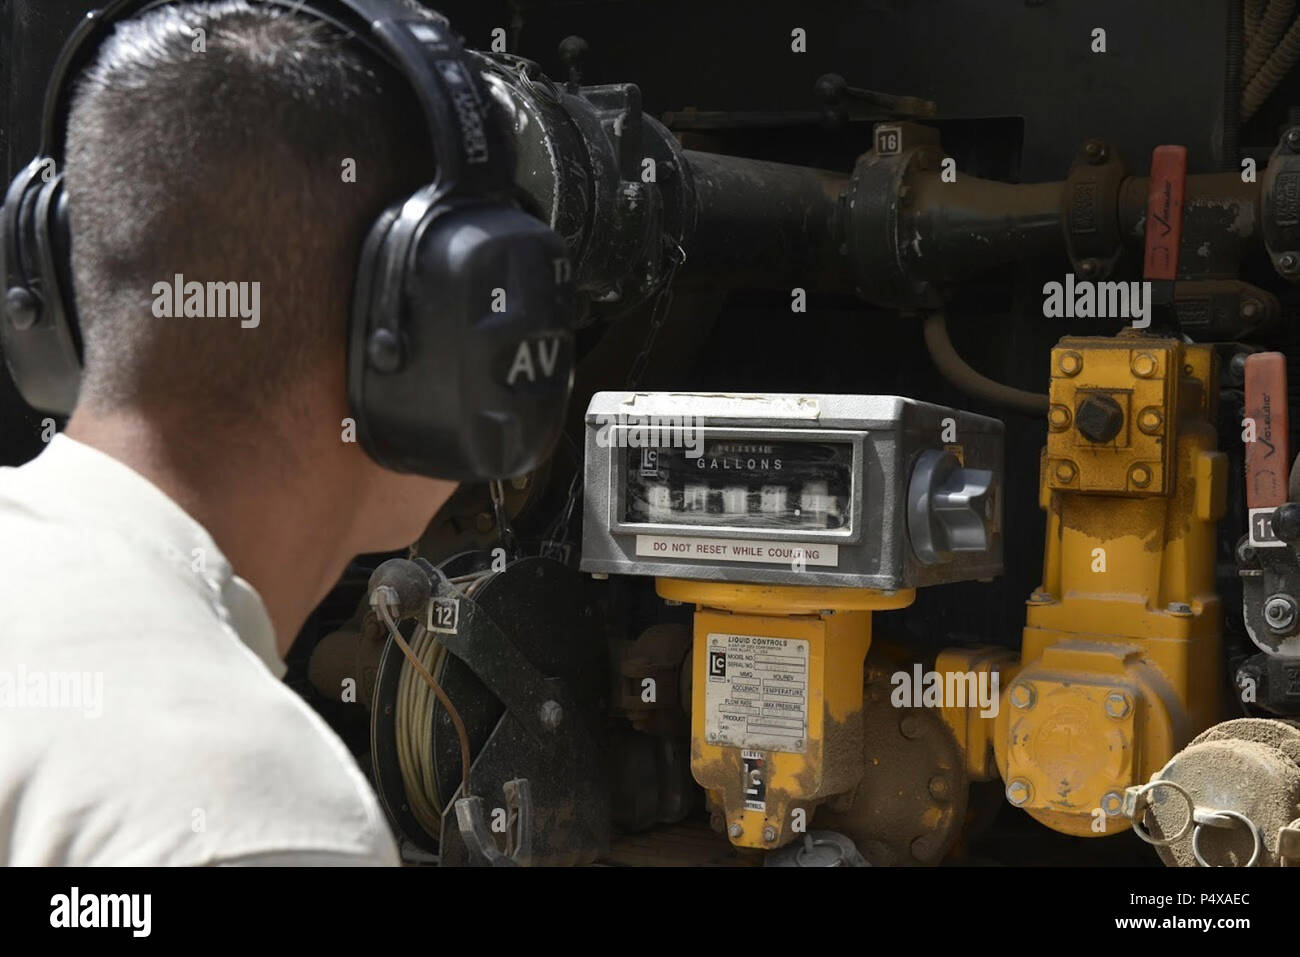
460 353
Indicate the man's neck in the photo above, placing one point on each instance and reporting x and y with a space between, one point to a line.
287 531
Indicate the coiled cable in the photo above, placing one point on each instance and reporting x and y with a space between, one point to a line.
417 689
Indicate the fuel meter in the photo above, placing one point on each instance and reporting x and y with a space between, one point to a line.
860 491
786 520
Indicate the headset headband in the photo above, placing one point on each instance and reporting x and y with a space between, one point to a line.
471 158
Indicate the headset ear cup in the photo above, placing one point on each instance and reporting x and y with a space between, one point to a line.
375 294
19 242
485 323
41 343
60 231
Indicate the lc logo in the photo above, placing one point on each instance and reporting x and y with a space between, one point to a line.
717 664
533 359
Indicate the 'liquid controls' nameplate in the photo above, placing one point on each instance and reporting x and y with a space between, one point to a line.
756 695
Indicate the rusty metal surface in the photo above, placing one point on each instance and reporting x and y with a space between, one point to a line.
910 806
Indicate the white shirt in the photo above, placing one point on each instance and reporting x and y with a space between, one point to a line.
142 715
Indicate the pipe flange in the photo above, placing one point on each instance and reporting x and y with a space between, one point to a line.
1090 210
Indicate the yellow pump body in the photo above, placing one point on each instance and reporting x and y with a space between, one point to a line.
1120 662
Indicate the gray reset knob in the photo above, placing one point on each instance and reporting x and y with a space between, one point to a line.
947 507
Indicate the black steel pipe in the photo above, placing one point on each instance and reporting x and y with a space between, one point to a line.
763 224
959 230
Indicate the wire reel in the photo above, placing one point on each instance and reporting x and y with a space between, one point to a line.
519 658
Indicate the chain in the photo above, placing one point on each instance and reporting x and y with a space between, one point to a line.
658 313
663 298
505 531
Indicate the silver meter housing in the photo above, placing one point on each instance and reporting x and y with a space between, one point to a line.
863 491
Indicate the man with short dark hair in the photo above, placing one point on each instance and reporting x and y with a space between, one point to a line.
224 161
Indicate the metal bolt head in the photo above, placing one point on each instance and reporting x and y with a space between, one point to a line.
1023 695
735 830
1070 363
1112 802
1150 419
1288 262
1058 418
1099 418
1144 365
1118 704
572 49
1090 267
1280 612
1018 792
1249 309
1293 139
1095 151
769 834
830 87
911 726
551 714
484 521
939 787
1179 608
1065 471
1139 476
